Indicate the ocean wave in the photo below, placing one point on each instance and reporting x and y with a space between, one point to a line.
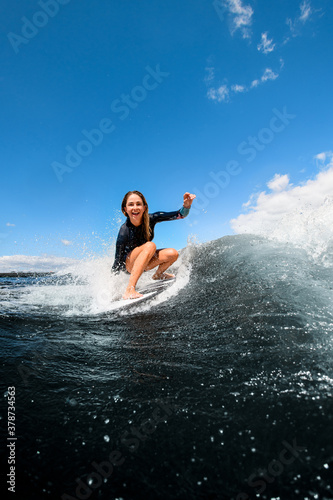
242 276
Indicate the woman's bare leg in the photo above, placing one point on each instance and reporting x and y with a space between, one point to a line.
145 258
163 259
136 263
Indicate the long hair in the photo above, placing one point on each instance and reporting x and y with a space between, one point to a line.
145 217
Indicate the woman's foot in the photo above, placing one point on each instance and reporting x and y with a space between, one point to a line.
163 276
131 293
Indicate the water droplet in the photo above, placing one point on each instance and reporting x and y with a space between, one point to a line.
72 402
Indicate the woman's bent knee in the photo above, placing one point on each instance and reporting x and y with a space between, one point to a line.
172 254
150 245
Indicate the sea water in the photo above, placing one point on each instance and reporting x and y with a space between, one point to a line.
218 388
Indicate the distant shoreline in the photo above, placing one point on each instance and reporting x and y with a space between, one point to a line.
28 274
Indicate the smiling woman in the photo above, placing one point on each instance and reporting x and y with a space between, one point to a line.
135 251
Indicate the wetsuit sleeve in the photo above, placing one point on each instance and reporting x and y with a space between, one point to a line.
165 216
121 247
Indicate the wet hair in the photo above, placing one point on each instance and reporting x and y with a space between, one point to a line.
145 217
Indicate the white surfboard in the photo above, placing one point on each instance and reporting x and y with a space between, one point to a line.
149 291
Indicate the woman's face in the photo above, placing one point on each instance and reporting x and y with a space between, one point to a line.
135 209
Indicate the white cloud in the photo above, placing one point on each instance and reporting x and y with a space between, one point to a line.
10 225
255 83
303 212
291 25
220 94
238 88
321 158
66 242
278 183
27 263
302 18
269 75
242 16
210 74
306 10
266 46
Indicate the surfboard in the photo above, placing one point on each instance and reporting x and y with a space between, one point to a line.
149 291
156 286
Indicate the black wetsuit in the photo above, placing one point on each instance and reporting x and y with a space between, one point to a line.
130 236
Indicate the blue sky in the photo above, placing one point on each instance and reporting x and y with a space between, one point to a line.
98 98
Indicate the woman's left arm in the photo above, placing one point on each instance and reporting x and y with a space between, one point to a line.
178 214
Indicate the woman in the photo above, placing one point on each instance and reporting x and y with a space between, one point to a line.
135 251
